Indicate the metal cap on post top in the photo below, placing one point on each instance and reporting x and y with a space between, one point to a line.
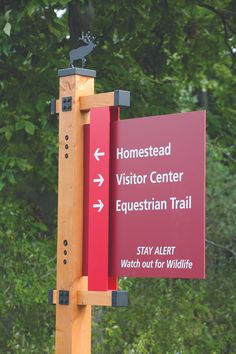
76 71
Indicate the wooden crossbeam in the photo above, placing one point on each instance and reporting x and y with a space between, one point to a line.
113 298
97 100
99 298
108 99
52 297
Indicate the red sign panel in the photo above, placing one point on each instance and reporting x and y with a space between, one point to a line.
157 201
99 156
96 200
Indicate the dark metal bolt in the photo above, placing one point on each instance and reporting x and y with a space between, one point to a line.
65 242
64 261
67 137
66 146
65 252
66 156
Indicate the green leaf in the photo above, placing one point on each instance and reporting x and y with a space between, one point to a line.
23 165
7 29
31 9
40 226
7 15
11 178
20 125
6 48
8 134
8 131
29 128
2 184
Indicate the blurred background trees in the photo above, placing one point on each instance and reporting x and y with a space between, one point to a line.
173 56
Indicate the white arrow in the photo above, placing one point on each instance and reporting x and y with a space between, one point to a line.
99 180
97 154
99 206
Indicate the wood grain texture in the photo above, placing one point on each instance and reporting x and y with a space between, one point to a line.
54 297
99 100
57 106
97 298
73 322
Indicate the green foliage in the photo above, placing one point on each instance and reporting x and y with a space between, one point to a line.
173 56
27 267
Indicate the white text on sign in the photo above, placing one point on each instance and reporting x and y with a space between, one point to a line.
154 204
150 151
153 177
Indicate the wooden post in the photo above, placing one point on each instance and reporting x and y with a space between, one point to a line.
71 297
73 322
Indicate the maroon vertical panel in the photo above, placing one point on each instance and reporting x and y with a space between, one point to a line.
99 176
113 279
86 198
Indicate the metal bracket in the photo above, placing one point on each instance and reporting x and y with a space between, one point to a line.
66 104
53 106
122 98
119 298
63 297
50 297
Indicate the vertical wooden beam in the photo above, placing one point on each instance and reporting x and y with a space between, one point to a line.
73 322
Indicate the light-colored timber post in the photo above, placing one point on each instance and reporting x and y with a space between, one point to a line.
72 298
73 322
